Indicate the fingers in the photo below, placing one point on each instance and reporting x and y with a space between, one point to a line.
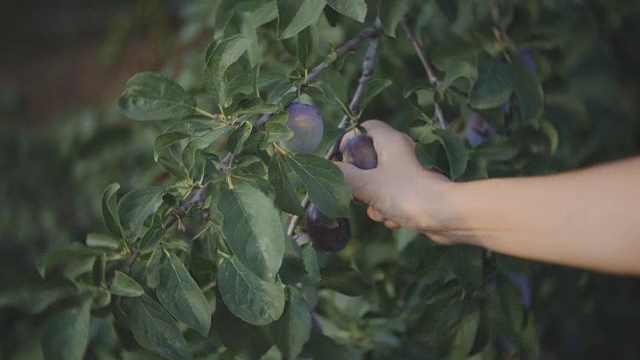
375 128
376 216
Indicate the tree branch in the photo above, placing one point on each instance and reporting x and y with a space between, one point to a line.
368 67
181 211
433 79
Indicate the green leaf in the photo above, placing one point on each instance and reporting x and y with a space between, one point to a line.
493 87
295 15
293 328
465 334
101 241
374 88
307 46
123 285
343 280
390 13
110 210
34 298
165 140
278 132
355 9
324 181
310 261
189 152
66 256
179 293
455 71
456 153
234 333
66 334
152 96
466 263
154 328
219 57
247 296
286 197
135 206
528 91
253 229
238 136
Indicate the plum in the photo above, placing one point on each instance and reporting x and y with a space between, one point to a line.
307 126
326 234
478 130
360 152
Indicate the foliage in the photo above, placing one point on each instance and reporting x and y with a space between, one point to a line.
199 260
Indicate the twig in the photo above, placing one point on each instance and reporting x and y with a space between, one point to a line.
348 46
135 252
368 67
181 211
433 79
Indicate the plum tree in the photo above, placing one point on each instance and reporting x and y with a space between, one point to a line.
360 152
326 234
307 126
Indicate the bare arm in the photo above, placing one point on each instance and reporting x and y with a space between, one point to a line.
587 218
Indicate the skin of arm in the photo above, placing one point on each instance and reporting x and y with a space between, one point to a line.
586 218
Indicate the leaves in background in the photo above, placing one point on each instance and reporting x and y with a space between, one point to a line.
355 9
66 334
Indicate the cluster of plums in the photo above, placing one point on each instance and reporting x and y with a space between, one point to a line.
326 234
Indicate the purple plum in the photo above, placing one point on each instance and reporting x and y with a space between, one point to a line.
307 126
360 152
326 234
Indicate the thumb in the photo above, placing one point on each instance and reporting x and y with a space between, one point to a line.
358 179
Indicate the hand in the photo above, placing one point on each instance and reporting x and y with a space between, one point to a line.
399 191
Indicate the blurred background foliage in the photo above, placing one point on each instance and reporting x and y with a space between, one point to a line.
63 139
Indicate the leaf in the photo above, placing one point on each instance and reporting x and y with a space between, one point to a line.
278 132
165 140
466 263
123 285
253 229
189 152
110 210
179 293
152 96
286 197
493 87
66 334
65 256
238 136
101 241
456 153
390 13
293 328
528 91
465 335
346 281
324 182
234 333
219 57
135 206
307 46
374 88
455 71
355 9
34 298
247 296
154 328
295 15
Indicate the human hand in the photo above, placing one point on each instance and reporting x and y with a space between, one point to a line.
399 191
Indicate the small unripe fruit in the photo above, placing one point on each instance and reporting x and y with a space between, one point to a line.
326 234
307 126
360 152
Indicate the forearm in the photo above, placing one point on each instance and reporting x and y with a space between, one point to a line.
586 218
